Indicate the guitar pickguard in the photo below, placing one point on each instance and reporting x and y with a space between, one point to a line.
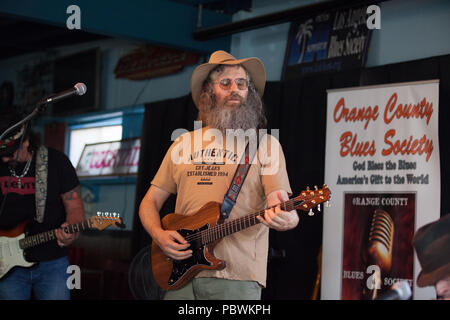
181 267
11 254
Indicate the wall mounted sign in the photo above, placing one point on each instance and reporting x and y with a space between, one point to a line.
114 158
151 61
328 42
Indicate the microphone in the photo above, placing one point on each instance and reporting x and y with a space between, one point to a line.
378 252
78 89
399 291
381 240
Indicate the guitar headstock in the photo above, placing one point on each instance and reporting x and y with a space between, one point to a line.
312 198
103 221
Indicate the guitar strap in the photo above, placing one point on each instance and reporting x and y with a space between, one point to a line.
41 182
242 169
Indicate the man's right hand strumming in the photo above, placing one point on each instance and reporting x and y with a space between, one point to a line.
173 244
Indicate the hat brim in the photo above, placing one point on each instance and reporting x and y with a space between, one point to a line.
431 278
9 150
253 65
13 145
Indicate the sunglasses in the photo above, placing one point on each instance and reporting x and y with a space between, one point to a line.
226 83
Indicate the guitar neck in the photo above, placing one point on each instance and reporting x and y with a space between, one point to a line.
44 237
229 227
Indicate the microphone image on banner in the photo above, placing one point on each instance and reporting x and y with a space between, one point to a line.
378 252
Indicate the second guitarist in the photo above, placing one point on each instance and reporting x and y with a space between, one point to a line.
199 167
38 185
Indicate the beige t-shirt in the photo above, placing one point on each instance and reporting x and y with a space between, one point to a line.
199 167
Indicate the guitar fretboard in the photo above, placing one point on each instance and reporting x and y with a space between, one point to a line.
229 227
43 237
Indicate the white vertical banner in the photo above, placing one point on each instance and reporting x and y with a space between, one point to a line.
382 167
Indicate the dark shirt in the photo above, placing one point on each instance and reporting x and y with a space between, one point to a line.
20 203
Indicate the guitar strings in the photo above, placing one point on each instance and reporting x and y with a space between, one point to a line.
221 230
237 223
39 238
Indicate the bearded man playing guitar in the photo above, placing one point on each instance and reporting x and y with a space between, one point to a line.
227 92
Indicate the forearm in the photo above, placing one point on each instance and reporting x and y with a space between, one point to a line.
170 241
149 210
73 205
150 218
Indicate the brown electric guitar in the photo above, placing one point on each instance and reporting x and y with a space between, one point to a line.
205 229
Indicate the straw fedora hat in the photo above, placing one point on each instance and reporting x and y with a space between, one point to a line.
432 244
253 65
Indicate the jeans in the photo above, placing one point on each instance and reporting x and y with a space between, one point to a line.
47 280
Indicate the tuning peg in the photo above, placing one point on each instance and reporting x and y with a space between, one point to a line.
318 207
315 188
327 204
307 188
310 213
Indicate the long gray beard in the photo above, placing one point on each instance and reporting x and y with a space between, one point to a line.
246 116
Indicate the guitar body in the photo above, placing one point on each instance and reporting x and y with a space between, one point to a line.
171 274
11 255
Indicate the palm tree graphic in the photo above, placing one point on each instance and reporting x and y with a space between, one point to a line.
303 35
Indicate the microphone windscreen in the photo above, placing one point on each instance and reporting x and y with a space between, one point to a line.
81 88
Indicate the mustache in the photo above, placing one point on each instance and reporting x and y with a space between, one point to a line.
234 95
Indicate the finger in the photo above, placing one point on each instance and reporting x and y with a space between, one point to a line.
178 247
268 216
174 244
276 220
61 228
59 234
177 237
261 219
62 235
63 232
277 209
61 241
178 255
